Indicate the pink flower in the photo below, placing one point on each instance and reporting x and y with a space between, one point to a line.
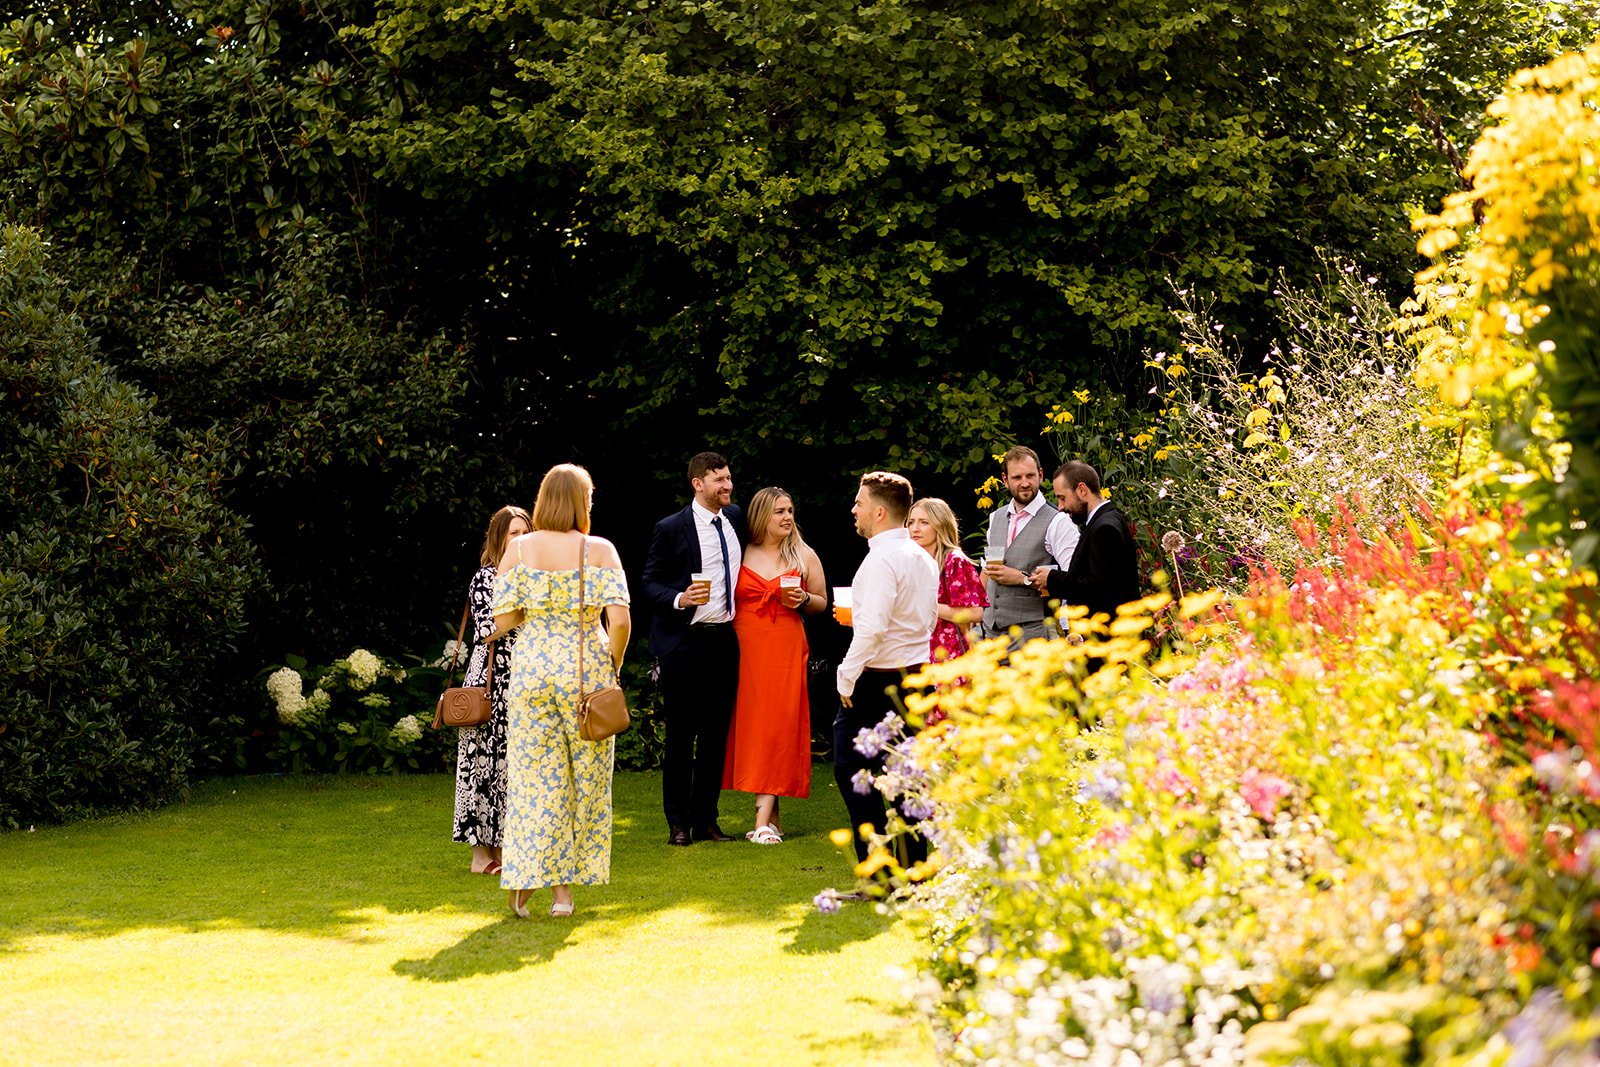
1173 781
1263 791
1111 836
1235 675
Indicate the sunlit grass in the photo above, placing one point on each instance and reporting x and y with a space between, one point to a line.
320 920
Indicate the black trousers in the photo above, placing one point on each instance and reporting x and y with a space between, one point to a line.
699 682
869 704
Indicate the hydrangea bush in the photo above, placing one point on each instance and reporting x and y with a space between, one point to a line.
361 713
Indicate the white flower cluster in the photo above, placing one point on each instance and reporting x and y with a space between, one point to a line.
284 685
364 668
1167 1013
407 730
453 650
318 702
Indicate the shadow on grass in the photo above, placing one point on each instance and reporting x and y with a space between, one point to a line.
332 857
817 933
499 948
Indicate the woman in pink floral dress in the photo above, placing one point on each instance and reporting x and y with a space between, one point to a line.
932 525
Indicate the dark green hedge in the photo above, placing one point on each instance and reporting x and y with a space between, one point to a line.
122 577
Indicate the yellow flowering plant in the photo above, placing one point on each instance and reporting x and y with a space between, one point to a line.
1521 246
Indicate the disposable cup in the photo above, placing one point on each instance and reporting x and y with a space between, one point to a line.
842 595
789 581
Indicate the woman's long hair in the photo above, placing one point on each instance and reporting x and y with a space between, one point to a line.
494 541
792 549
946 531
563 500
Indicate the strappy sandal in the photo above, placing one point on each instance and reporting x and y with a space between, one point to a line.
519 908
561 911
766 835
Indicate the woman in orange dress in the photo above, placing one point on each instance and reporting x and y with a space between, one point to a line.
769 740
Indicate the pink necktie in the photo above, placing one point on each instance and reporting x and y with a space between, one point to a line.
1012 536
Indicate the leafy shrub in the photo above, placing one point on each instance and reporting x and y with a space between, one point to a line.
358 714
643 745
122 575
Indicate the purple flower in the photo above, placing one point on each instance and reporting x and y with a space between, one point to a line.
1102 786
916 809
827 901
861 781
869 742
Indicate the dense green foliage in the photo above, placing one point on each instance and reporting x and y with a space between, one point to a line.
392 260
123 577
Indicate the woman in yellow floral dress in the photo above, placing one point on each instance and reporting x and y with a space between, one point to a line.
557 829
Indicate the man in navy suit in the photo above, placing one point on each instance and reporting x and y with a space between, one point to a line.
1104 572
692 638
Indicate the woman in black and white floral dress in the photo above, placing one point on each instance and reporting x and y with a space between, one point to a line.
481 750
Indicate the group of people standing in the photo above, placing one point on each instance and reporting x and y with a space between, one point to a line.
728 589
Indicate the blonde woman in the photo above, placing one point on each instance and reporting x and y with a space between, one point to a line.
933 525
481 750
558 786
769 741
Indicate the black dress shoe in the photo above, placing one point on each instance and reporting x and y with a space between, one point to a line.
678 835
713 833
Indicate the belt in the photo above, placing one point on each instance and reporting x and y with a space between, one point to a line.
709 625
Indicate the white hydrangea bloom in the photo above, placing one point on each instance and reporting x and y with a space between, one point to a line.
284 685
364 668
453 649
407 730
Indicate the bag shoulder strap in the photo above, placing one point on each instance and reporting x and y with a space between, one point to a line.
455 653
583 580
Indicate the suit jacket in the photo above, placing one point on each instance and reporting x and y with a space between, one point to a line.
674 556
1104 571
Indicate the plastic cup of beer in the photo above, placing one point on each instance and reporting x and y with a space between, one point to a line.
841 604
788 582
700 579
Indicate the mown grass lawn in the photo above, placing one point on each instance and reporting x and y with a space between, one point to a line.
332 920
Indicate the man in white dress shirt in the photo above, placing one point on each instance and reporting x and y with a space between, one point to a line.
894 604
1025 535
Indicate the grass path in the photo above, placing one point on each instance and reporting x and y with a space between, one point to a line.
332 920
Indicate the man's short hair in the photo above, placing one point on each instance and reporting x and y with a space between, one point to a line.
1076 471
892 491
704 463
1017 454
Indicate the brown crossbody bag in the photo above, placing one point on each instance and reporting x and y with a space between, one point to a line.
602 712
464 705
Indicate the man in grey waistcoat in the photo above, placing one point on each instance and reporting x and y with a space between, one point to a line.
1026 534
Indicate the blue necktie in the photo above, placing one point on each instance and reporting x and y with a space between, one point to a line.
727 580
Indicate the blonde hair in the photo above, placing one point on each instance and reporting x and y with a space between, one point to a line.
792 549
494 541
563 500
946 531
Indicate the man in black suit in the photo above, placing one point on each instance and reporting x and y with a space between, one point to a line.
1104 571
692 638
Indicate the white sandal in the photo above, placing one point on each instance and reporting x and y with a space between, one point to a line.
766 835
